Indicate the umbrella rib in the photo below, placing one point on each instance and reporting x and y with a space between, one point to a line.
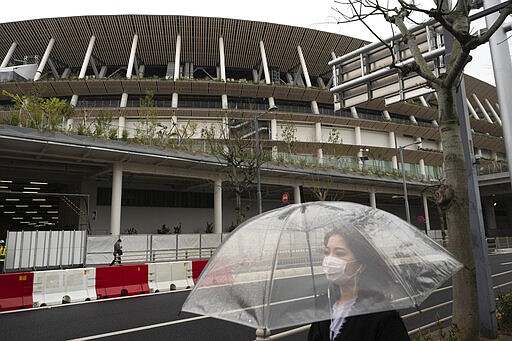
266 300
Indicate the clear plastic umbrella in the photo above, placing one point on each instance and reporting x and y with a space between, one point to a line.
268 274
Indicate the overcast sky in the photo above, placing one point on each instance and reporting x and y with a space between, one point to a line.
317 14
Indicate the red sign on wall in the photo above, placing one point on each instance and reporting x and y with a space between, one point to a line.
285 197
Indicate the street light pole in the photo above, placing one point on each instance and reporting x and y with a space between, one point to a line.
406 197
257 141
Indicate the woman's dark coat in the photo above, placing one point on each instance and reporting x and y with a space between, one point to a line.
381 326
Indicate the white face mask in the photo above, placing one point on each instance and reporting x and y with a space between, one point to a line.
334 269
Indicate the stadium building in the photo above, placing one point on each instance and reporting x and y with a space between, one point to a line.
150 95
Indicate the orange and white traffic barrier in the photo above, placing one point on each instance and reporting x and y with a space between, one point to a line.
170 276
125 280
16 291
55 287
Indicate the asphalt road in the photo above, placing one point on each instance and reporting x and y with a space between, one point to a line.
157 317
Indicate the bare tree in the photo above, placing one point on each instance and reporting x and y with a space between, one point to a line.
236 152
453 194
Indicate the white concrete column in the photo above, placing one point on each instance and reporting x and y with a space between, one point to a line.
142 69
273 137
320 156
69 124
74 100
391 144
131 61
296 194
217 206
174 100
224 99
479 153
490 215
426 212
318 132
482 109
65 73
273 129
413 119
42 64
121 126
115 207
422 168
314 108
435 124
373 197
264 62
124 100
271 102
87 57
255 76
8 56
103 72
357 134
472 110
304 67
318 139
354 113
424 102
494 113
222 60
177 58
386 115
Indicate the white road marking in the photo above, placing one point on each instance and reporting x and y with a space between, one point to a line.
132 330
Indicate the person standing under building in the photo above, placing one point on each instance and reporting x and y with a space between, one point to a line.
3 251
118 252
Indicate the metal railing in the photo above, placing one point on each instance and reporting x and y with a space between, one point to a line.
43 250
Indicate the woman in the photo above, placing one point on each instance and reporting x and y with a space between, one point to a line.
349 263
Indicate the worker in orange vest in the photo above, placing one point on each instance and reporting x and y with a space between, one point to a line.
3 250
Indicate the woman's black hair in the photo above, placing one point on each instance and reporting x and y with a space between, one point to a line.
374 280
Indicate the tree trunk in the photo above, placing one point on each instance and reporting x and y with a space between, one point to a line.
238 205
455 195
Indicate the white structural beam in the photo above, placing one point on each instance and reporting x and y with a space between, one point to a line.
217 206
425 209
8 56
177 58
133 50
296 194
92 61
304 67
222 60
115 208
53 68
482 109
472 110
87 57
264 61
42 64
494 113
502 67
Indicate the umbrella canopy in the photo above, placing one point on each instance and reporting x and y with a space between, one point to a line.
268 273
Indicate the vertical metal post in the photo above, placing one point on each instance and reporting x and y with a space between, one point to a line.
502 67
257 150
258 176
406 197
